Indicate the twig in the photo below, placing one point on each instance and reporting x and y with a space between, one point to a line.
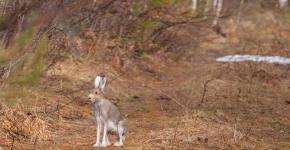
58 107
174 136
204 90
12 144
101 10
168 25
152 140
239 14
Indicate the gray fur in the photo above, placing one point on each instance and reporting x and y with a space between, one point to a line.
108 118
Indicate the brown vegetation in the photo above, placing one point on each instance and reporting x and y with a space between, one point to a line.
159 60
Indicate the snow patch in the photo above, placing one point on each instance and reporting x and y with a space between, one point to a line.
255 58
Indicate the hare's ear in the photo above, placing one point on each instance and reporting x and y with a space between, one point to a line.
97 81
100 82
103 83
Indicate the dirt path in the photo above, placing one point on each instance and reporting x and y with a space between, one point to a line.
245 106
81 134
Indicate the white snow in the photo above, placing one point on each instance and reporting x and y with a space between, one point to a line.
255 58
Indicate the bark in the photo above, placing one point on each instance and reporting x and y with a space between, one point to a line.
194 5
283 3
214 4
218 6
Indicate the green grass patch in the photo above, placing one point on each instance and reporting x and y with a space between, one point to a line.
146 56
3 20
156 3
151 25
31 75
160 3
137 9
144 109
24 38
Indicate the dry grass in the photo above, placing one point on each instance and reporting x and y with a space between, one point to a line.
236 102
171 103
195 131
17 125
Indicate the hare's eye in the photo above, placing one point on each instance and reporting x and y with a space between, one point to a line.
96 92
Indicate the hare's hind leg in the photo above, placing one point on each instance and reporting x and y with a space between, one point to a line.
121 135
108 141
120 139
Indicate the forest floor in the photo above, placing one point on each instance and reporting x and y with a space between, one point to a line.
177 99
172 105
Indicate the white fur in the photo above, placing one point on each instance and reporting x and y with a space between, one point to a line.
112 126
100 82
108 118
105 141
106 126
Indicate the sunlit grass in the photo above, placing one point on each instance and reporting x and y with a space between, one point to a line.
15 95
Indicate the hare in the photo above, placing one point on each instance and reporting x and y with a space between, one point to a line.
108 118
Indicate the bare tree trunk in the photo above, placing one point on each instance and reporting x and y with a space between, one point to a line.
214 4
4 6
283 3
194 6
218 6
239 14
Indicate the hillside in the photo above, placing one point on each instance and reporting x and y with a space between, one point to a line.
159 60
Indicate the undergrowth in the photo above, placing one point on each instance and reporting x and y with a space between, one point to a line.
26 70
32 74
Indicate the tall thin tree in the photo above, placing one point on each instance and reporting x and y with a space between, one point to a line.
283 3
194 6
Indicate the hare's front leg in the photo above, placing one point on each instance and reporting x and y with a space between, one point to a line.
105 141
99 126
